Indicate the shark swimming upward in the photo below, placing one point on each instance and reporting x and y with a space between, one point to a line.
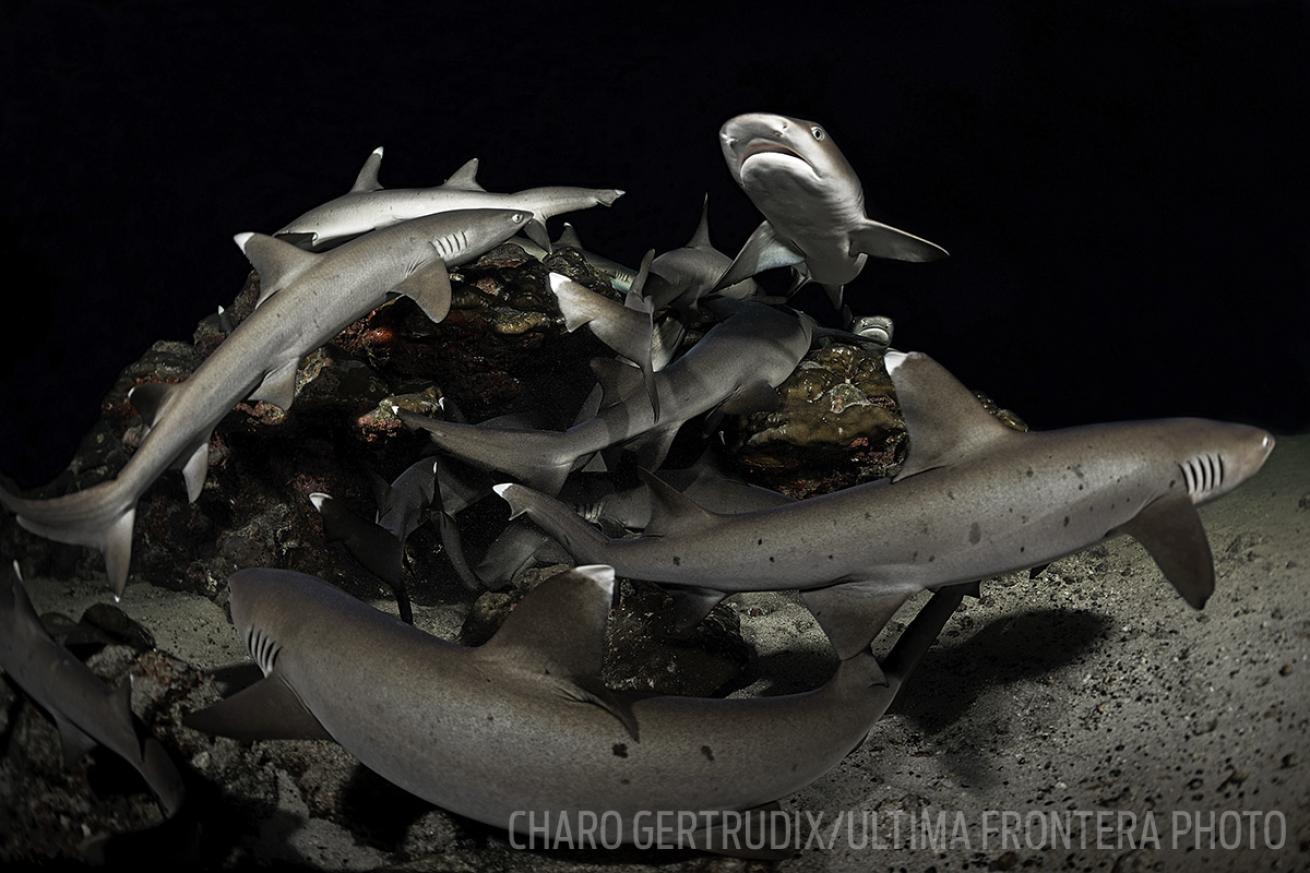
523 724
735 365
306 299
368 206
973 500
813 205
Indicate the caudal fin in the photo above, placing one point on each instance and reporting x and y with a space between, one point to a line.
540 458
101 517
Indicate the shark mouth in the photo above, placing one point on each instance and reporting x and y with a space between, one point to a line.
263 648
768 147
1203 474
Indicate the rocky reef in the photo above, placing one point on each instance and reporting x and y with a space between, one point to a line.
502 348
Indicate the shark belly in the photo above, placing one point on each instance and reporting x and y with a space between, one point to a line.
814 220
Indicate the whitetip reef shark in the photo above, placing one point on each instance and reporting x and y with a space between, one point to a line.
87 712
379 545
523 723
368 206
813 205
735 366
974 499
306 299
629 328
690 272
625 510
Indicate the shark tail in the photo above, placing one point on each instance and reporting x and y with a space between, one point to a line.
100 516
540 458
607 196
583 541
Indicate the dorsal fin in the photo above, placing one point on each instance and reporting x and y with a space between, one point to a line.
569 237
617 380
558 629
465 178
701 238
945 422
276 261
367 180
671 511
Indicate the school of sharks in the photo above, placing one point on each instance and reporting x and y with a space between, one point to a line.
523 724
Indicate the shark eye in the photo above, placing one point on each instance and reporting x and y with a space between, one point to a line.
818 133
516 218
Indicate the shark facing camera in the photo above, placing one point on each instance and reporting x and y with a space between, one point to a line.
519 603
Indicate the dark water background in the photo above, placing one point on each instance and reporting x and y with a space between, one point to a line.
1122 186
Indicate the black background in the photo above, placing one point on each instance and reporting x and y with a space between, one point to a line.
1122 186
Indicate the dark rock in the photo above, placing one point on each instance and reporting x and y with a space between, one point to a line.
639 654
837 425
117 627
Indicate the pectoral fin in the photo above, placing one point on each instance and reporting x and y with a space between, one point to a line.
267 710
880 240
690 606
853 613
196 468
429 287
279 386
762 251
149 399
594 693
1171 531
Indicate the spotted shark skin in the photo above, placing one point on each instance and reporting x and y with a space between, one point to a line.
522 723
306 300
739 361
813 205
973 500
86 711
368 206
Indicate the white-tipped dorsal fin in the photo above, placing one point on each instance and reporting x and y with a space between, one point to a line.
559 627
367 180
701 238
569 237
945 422
465 178
557 632
276 261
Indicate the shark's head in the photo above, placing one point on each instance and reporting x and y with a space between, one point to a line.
473 231
761 144
268 607
1214 457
